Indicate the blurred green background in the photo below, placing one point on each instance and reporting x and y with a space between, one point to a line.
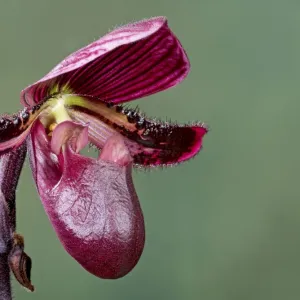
225 225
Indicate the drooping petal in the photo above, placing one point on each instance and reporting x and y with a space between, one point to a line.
130 62
167 144
151 143
14 129
92 205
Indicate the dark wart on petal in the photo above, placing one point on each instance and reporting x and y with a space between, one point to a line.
13 126
7 129
165 143
161 143
169 144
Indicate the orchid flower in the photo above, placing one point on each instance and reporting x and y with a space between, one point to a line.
92 203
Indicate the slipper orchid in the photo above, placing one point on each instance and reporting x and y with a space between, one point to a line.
92 203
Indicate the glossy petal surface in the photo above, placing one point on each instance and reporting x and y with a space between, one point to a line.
130 62
92 205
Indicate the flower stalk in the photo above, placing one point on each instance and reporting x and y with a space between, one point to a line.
5 247
10 168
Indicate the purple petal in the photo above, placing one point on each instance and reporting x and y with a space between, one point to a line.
170 144
92 205
151 143
11 135
15 128
130 62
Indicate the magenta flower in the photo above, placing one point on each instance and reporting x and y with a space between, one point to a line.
92 203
